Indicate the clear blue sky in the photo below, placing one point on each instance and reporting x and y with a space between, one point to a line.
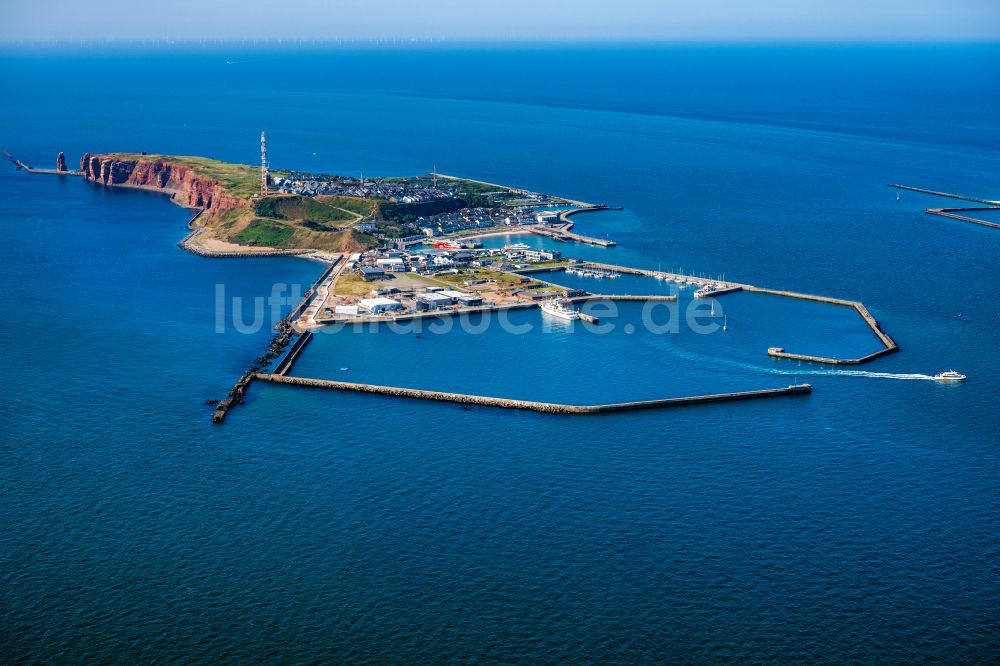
500 20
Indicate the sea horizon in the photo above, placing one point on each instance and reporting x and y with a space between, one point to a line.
852 524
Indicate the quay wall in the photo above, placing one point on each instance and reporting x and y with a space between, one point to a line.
544 407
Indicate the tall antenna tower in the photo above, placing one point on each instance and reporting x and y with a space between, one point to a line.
264 173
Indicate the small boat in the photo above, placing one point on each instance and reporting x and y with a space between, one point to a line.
517 246
725 323
950 376
557 308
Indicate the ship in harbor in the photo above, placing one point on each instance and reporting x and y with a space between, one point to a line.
447 245
558 308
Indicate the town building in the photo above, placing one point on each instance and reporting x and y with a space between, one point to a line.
370 273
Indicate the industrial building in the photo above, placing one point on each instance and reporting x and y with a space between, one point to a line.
435 300
380 305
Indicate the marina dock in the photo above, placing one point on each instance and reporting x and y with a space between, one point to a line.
544 407
724 286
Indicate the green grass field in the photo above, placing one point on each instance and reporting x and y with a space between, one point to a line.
242 180
261 232
319 215
503 280
352 284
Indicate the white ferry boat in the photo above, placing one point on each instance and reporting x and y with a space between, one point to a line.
950 376
557 309
517 246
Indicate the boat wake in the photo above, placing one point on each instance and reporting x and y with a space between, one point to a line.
804 371
853 373
882 375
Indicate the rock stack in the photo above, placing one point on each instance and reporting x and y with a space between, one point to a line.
61 162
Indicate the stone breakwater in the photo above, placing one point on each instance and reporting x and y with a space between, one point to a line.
544 407
186 186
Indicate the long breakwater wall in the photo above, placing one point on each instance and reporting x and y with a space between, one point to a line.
544 407
953 213
284 333
724 287
889 345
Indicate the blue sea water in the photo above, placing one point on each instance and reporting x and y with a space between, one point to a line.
856 524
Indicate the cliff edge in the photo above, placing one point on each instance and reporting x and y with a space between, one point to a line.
188 186
235 219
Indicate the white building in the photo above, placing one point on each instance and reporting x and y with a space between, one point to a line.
436 299
451 294
394 264
351 310
380 305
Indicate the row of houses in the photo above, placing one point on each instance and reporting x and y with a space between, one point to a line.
395 189
476 218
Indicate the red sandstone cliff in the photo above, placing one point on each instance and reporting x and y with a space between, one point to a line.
188 187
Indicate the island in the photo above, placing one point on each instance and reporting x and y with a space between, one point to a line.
405 248
300 213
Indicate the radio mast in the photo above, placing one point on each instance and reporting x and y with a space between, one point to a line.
264 173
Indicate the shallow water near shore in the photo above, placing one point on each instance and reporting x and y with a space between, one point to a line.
854 524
